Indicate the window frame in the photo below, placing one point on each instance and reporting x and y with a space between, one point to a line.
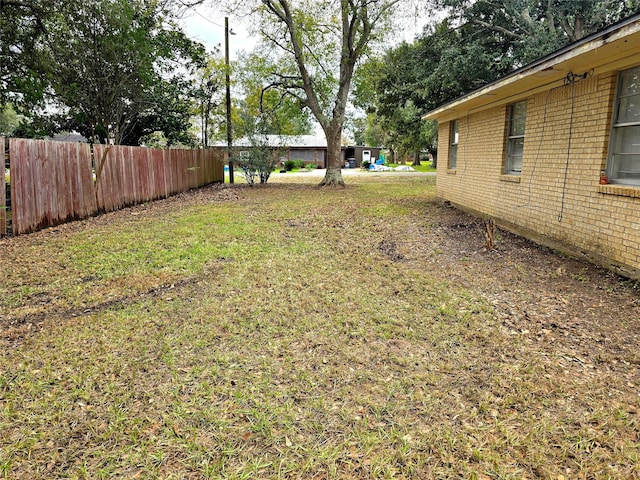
454 140
617 128
513 139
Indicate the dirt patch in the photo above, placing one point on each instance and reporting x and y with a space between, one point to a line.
551 300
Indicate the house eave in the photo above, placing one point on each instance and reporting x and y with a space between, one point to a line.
613 48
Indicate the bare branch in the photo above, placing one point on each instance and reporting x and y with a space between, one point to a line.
497 28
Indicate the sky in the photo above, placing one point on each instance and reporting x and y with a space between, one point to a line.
207 26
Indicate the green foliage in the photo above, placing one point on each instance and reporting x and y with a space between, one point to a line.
274 112
320 43
289 165
9 120
259 161
298 164
114 70
210 99
532 28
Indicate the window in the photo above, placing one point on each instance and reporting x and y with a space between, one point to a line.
453 144
515 138
624 148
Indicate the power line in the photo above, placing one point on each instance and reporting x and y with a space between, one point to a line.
200 15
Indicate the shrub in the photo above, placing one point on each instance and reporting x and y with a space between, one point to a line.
258 162
310 166
289 165
298 164
366 164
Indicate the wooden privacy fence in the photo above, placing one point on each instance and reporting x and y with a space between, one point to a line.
53 182
3 195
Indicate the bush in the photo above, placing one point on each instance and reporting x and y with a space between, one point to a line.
257 162
289 165
366 164
310 166
298 164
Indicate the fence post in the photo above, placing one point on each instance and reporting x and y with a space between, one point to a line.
3 190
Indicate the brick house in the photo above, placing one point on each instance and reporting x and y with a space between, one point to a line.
308 148
552 151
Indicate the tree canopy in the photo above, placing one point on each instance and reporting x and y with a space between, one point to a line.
114 70
478 41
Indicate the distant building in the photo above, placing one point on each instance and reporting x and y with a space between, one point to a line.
355 155
309 149
69 137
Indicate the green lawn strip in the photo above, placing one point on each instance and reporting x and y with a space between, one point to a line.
99 265
301 350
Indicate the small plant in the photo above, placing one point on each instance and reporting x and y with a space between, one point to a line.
490 234
366 164
310 166
248 167
298 164
289 165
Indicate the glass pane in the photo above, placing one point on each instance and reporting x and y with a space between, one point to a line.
626 167
630 82
453 156
515 151
629 109
454 132
627 140
516 147
518 117
515 165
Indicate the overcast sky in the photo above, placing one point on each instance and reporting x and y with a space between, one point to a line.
207 26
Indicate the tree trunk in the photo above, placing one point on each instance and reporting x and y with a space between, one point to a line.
434 156
333 176
416 159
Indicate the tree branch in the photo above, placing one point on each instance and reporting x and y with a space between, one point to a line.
497 28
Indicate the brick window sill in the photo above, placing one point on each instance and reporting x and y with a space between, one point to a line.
620 190
451 171
510 178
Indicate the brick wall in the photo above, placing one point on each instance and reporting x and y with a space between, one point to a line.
557 200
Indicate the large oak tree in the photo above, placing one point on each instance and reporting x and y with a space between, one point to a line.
324 41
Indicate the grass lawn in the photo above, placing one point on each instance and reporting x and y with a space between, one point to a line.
286 331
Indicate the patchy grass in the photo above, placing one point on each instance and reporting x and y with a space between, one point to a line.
293 332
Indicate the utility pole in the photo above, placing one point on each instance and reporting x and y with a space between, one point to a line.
228 99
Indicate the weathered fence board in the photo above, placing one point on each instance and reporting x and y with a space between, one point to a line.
52 182
3 195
